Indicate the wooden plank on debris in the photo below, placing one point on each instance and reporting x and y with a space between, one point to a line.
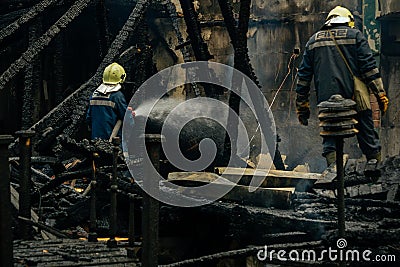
263 197
195 178
272 178
375 191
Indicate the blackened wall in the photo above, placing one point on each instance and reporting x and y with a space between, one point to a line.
276 28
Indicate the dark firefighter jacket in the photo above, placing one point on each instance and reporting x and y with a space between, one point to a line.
322 60
104 112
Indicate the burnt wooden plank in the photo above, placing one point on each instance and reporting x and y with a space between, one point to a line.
272 178
263 197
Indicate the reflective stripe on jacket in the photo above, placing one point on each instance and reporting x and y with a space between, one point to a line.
322 61
104 112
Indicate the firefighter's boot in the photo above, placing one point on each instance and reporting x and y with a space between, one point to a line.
371 168
330 158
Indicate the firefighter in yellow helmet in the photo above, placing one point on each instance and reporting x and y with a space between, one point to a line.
107 104
323 62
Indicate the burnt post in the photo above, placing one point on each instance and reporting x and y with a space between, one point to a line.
93 184
116 141
25 151
337 121
6 240
131 228
150 218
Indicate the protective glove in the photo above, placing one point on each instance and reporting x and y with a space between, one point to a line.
383 101
303 109
132 112
303 117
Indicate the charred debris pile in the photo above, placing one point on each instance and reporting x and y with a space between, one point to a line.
306 217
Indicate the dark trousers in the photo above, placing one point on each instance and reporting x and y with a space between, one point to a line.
368 138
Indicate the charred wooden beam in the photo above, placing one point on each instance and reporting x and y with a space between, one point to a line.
183 44
6 248
44 160
93 216
42 226
199 46
71 112
32 80
262 197
33 12
102 26
25 138
29 55
113 193
59 70
151 208
239 39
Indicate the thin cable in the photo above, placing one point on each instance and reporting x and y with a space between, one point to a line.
290 93
292 58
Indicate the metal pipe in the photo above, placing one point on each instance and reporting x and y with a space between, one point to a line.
25 150
92 237
113 193
150 218
6 242
340 186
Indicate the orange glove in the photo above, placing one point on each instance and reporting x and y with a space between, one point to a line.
383 102
303 109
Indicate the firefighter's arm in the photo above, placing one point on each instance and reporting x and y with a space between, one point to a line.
305 75
377 88
120 105
370 73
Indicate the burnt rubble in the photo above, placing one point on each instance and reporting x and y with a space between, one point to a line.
372 220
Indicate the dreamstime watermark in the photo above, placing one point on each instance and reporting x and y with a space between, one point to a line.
340 253
147 102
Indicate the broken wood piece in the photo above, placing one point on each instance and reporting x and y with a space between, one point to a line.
47 228
41 159
263 197
34 216
362 190
272 178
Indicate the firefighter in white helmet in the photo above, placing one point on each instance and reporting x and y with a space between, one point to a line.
323 62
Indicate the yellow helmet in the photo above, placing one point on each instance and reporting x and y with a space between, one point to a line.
340 15
114 74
